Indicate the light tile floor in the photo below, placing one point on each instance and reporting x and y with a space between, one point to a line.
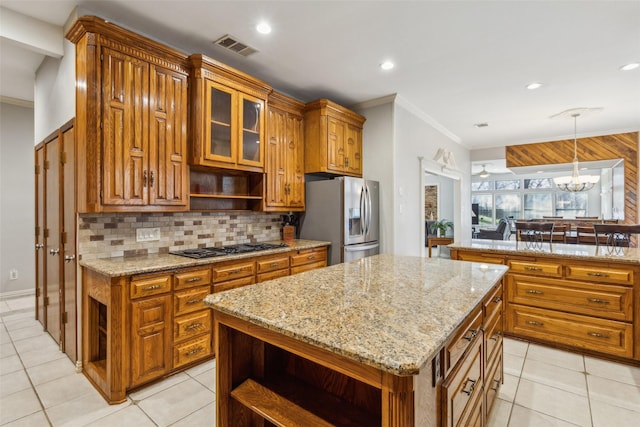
542 387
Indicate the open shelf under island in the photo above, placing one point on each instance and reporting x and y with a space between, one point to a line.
385 340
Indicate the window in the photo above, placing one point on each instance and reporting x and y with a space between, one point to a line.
538 183
482 186
571 205
508 205
513 184
537 205
485 208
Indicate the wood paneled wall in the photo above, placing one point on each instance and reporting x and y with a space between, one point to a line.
607 147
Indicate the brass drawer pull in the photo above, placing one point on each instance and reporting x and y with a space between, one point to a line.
152 287
529 268
274 264
598 335
535 292
497 299
192 326
495 336
194 351
235 271
597 300
472 336
473 385
194 279
311 257
194 301
497 386
597 274
534 323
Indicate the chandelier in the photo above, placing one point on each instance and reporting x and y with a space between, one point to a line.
576 183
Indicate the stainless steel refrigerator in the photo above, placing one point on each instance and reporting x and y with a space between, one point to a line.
345 212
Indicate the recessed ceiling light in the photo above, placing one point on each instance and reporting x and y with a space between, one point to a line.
387 65
481 125
629 67
263 28
534 85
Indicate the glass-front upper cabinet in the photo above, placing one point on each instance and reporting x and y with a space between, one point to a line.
220 124
252 132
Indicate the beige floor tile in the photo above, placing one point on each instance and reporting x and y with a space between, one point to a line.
38 419
554 402
556 357
7 349
132 415
28 332
158 387
499 415
21 314
525 417
515 347
20 323
52 370
208 379
171 405
513 365
614 393
197 370
555 376
204 417
18 405
64 389
10 364
42 342
21 303
37 357
507 390
4 307
14 382
614 371
83 410
606 415
4 336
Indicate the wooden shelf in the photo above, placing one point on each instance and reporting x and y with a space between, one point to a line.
216 190
226 196
293 402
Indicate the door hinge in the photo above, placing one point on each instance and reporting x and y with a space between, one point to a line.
63 237
46 164
101 57
101 125
63 157
65 318
46 233
46 300
37 230
37 292
37 169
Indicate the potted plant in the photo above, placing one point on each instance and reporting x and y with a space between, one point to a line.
441 226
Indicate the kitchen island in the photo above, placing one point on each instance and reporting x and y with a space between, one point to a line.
385 340
581 298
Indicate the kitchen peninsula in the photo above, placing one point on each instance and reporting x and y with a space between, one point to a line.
385 340
582 298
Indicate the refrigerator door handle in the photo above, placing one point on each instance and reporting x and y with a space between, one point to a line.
369 210
359 248
363 213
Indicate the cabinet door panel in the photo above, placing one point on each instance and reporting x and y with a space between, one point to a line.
125 174
168 173
219 122
335 144
68 252
151 339
52 233
275 166
251 141
353 150
40 248
295 161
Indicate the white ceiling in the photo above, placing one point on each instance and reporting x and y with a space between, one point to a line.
459 62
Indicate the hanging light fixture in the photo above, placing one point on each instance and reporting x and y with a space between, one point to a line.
484 173
576 183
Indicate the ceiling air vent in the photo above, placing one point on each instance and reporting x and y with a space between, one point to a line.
231 43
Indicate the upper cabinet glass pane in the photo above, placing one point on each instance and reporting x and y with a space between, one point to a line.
220 106
251 126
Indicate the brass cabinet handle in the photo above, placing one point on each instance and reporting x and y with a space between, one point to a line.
497 299
194 351
235 272
274 264
151 180
151 288
194 301
597 301
534 323
194 279
69 258
598 335
311 257
39 246
54 251
346 161
495 336
497 386
473 385
192 326
534 291
597 274
144 178
533 268
473 334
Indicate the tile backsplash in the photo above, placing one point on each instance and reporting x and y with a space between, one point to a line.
114 235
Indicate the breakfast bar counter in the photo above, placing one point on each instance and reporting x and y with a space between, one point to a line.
376 337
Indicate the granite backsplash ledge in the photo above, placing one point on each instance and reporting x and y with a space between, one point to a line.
114 234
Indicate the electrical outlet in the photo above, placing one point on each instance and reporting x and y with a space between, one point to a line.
13 274
249 228
147 234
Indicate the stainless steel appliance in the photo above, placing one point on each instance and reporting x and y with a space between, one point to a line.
343 211
214 251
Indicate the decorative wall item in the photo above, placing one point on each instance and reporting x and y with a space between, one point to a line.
430 202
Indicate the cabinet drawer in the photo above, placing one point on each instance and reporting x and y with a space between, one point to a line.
607 301
605 336
233 271
492 305
190 325
480 257
147 286
459 344
190 300
307 267
536 268
188 279
493 381
263 277
191 351
493 339
272 264
309 256
232 284
463 387
619 275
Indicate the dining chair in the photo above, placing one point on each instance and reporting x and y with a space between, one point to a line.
533 234
617 235
586 235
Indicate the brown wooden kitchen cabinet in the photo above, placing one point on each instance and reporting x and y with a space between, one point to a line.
131 120
228 116
333 139
308 259
284 168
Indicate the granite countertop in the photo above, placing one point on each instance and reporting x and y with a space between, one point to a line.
121 266
390 312
561 250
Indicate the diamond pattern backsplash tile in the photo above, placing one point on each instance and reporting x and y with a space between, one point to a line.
114 235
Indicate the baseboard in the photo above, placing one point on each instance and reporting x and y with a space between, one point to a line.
17 294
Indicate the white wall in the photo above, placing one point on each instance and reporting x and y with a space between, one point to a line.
17 205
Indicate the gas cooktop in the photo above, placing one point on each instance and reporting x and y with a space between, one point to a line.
215 251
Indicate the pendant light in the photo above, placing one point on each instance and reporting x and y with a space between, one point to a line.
576 183
484 173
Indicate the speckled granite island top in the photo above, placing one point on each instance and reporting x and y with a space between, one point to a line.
561 250
121 266
390 312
